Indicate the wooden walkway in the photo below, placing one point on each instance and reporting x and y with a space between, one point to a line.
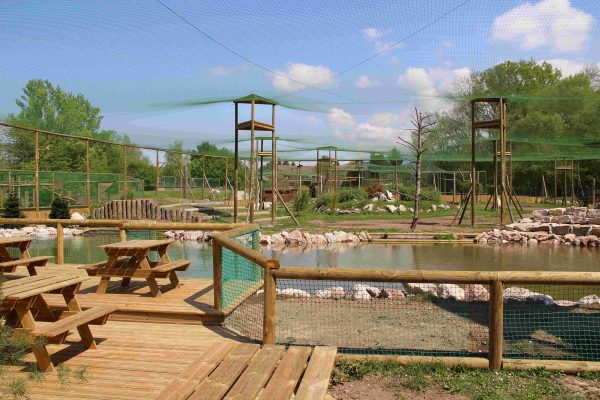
191 303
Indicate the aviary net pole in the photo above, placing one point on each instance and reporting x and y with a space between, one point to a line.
274 171
473 168
252 161
236 162
125 172
88 199
37 173
157 174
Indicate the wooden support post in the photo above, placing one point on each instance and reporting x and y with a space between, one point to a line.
335 171
573 183
122 235
37 174
217 275
157 175
496 325
204 178
60 246
124 172
274 171
503 177
454 187
252 163
225 193
88 197
593 192
555 183
473 168
236 165
181 175
270 298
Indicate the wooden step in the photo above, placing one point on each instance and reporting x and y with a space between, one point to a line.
179 265
96 316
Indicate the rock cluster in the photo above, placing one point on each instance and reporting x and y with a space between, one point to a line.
379 196
468 293
299 238
568 215
199 236
38 230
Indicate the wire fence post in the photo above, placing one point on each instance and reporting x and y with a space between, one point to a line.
270 294
496 325
60 247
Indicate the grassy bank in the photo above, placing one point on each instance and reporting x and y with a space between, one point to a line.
387 380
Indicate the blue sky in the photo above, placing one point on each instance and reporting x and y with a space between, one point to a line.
137 59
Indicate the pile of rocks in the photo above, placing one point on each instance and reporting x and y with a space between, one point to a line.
299 238
39 230
569 215
379 196
445 291
504 236
199 236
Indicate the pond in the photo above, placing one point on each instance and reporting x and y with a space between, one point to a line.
84 249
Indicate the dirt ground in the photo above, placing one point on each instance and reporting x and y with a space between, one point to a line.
387 388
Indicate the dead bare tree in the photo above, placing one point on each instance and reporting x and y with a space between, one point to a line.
421 126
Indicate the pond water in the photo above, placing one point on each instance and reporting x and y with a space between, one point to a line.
84 249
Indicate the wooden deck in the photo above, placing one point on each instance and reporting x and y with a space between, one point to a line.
192 303
133 360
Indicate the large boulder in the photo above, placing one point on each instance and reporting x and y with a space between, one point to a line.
476 292
331 293
450 291
520 294
402 208
556 211
589 300
291 292
391 293
582 230
391 208
560 229
369 207
77 217
422 288
359 292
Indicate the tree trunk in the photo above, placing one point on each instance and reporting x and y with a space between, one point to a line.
413 225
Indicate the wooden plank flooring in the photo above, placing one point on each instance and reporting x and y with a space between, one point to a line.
191 303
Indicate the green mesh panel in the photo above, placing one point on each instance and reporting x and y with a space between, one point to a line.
240 275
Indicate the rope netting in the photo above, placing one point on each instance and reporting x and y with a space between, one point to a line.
240 276
559 322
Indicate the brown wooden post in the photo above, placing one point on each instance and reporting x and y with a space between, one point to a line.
473 168
593 192
122 235
157 174
273 168
226 177
496 327
270 298
252 163
181 175
218 275
204 177
124 172
37 174
573 183
236 162
88 198
60 246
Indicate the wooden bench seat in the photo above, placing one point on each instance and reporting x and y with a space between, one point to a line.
31 263
56 332
168 271
92 269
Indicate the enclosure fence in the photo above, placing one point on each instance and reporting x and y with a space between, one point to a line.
494 319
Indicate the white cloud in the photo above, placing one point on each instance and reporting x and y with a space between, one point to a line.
365 82
340 118
432 84
221 71
376 36
308 74
548 23
567 67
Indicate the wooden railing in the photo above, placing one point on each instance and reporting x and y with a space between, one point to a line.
122 225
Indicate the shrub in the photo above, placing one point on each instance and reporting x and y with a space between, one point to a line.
129 195
302 202
408 193
12 207
60 208
348 195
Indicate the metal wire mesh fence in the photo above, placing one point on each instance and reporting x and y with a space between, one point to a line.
240 275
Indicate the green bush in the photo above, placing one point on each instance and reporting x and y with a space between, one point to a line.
60 208
408 193
12 207
302 202
343 197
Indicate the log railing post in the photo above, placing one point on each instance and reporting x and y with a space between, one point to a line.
269 302
122 235
496 325
60 246
217 275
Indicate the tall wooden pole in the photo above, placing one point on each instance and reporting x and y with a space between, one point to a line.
274 171
335 170
319 191
204 178
37 173
473 169
124 172
157 175
236 164
87 176
593 192
252 163
226 176
572 183
181 175
503 177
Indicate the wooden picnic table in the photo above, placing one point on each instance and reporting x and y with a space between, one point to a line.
131 259
8 263
24 296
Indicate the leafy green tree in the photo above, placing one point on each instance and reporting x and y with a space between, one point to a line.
12 207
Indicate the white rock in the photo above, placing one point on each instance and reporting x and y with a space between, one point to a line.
341 236
433 208
77 217
516 293
291 292
369 207
330 237
391 208
358 292
402 208
450 291
391 293
476 292
565 303
331 293
421 288
591 299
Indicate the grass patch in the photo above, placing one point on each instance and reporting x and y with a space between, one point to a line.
475 384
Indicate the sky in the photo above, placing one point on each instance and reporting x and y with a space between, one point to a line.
352 71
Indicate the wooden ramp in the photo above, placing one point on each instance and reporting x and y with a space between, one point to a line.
191 303
248 371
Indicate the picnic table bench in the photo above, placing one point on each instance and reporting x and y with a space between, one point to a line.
248 371
131 259
9 264
24 296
